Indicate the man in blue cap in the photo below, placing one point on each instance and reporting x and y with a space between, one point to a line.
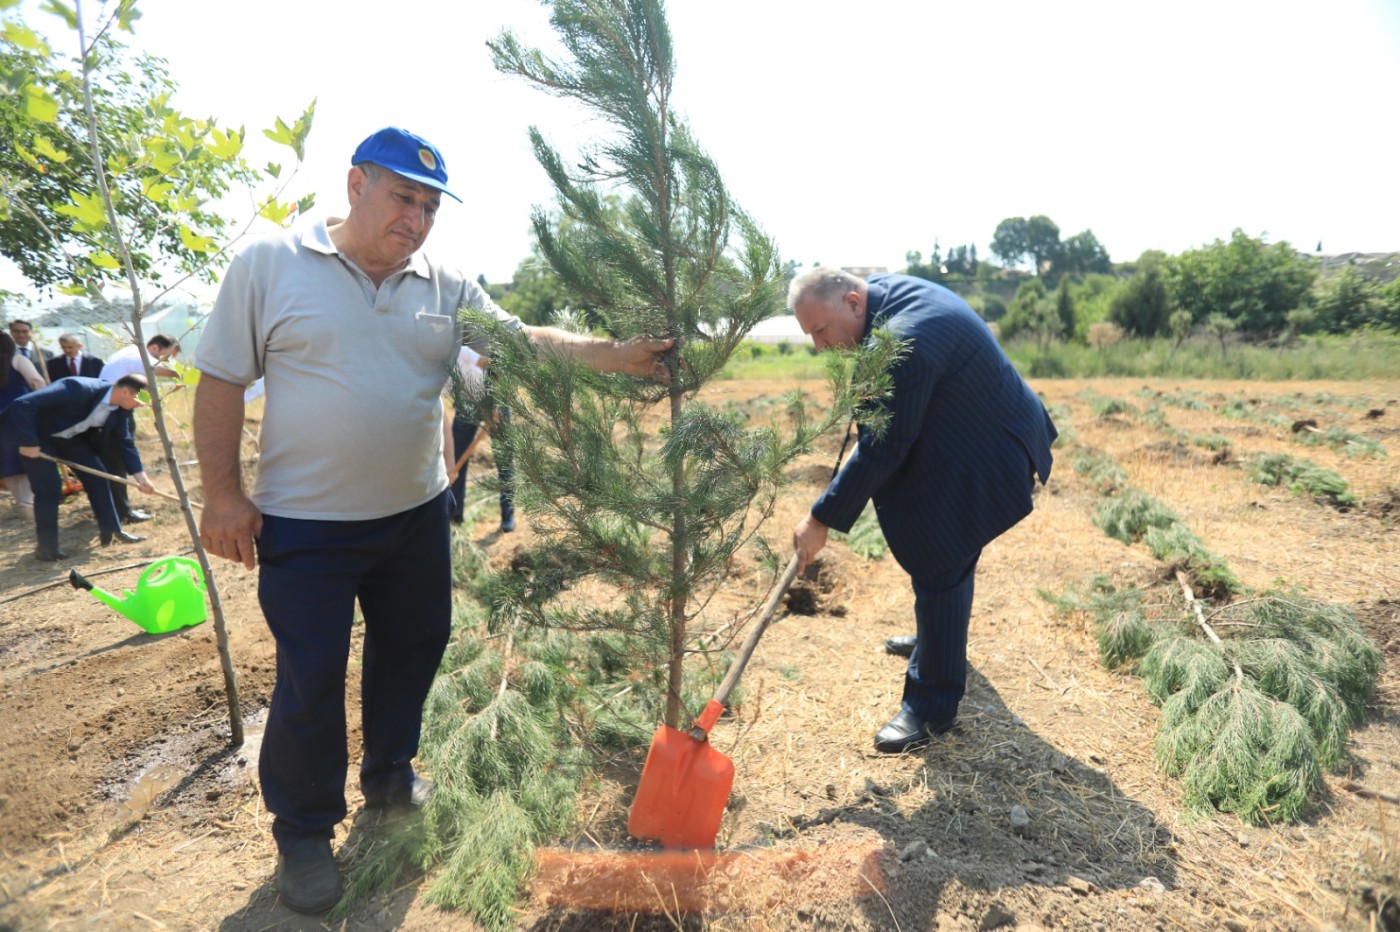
351 498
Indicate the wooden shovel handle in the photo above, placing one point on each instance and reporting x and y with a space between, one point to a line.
736 670
111 478
466 455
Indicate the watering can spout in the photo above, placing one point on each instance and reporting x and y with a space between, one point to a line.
169 595
80 581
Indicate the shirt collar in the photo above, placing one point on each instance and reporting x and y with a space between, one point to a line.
317 238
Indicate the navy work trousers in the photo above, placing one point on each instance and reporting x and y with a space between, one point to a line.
937 675
463 433
311 573
47 483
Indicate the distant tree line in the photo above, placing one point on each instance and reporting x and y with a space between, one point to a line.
1241 288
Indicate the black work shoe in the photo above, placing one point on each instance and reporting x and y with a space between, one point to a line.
901 645
308 879
106 537
136 516
907 732
49 554
405 801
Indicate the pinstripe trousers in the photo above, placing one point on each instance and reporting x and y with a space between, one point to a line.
937 675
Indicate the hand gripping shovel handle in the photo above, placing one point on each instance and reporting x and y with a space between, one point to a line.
700 730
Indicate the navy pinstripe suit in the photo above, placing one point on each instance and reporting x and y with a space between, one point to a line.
32 420
966 441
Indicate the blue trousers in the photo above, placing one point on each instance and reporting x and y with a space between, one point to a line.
463 433
937 675
311 573
47 483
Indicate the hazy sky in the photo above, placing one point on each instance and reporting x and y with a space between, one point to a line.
857 137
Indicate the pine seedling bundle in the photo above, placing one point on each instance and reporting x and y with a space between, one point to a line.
1301 477
1250 720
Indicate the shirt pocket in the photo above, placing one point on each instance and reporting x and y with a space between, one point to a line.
432 337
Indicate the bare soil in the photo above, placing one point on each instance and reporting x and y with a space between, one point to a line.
122 806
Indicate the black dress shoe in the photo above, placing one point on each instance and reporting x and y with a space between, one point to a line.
308 879
907 732
49 555
901 646
136 516
108 536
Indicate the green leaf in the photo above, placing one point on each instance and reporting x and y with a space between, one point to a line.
62 10
225 145
18 35
46 149
40 105
86 209
280 134
273 169
104 261
157 189
196 243
126 15
31 160
73 289
275 211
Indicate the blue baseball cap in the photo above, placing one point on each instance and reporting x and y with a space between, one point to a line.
405 154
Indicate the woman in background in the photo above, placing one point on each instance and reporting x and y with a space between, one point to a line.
17 377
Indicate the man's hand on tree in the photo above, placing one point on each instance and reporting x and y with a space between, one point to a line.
641 356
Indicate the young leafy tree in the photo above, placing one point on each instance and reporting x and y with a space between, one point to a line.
655 518
1140 306
104 185
1251 283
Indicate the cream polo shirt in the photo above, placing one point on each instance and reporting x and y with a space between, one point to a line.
352 424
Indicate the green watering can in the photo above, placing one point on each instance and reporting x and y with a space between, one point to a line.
169 595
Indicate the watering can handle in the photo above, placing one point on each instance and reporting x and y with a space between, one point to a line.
736 670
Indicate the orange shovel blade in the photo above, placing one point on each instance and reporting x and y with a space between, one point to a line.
684 789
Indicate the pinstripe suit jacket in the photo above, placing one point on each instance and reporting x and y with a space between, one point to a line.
31 420
966 439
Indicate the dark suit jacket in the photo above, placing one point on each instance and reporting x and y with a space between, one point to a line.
90 367
31 420
37 355
966 438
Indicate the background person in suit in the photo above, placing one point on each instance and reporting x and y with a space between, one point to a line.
71 419
17 377
955 468
73 361
127 361
472 366
22 332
